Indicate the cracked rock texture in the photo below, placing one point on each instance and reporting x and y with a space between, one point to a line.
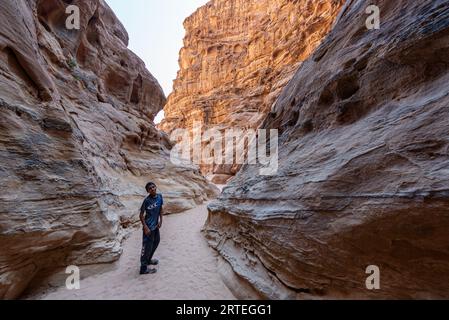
363 168
77 140
237 57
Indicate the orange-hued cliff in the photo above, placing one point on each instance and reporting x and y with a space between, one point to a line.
237 57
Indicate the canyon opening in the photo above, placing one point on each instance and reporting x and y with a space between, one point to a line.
234 146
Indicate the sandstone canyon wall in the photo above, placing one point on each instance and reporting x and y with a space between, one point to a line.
77 140
237 57
363 168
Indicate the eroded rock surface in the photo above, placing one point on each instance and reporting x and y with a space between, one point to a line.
77 140
363 171
237 57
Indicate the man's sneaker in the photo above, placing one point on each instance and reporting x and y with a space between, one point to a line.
144 270
154 262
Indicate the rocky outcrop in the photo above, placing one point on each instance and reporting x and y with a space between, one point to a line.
237 57
77 140
363 168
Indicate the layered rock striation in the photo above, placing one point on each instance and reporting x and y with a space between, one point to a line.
77 140
237 57
363 173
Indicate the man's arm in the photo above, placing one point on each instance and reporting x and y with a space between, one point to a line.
160 217
161 213
146 230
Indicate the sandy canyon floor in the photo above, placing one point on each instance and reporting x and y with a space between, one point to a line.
187 269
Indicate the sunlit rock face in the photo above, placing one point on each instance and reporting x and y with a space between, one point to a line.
237 57
77 140
363 173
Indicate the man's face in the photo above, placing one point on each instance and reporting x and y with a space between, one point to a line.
152 190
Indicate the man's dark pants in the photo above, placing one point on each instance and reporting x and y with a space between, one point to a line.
149 246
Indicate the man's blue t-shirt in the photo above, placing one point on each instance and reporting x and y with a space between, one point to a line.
152 207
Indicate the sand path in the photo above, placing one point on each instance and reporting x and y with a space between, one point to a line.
187 270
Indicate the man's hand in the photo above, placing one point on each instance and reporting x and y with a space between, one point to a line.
146 230
159 225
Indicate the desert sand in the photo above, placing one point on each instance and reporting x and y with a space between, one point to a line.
187 268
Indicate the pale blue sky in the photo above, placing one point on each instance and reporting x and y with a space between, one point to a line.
155 32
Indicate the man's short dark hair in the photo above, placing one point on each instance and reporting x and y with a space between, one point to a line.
149 185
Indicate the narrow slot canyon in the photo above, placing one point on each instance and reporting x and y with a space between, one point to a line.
350 169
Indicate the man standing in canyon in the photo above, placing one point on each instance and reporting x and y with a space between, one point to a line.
151 217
